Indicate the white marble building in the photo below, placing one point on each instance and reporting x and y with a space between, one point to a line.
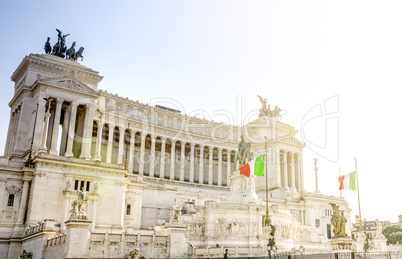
133 160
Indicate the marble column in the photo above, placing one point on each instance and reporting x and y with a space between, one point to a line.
152 162
172 158
192 163
142 153
229 170
278 168
292 172
182 160
130 161
162 159
110 144
56 123
43 147
40 116
220 167
201 172
64 134
71 130
87 133
211 161
121 145
301 173
98 145
285 169
24 197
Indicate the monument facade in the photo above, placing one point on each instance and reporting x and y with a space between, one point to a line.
93 170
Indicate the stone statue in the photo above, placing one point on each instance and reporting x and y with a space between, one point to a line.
71 52
243 152
175 212
78 54
48 48
379 229
315 162
266 110
79 206
338 221
263 110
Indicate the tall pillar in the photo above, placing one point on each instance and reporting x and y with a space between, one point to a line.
64 134
109 144
201 172
162 159
98 145
211 161
301 173
56 123
182 160
87 133
278 168
131 153
40 116
142 152
121 145
24 197
285 169
192 163
220 167
152 162
43 147
292 172
172 158
71 130
229 170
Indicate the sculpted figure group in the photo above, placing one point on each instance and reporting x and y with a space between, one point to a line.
338 221
266 110
60 49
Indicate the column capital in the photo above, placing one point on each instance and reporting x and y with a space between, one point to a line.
192 144
220 149
121 128
201 146
173 141
163 139
60 100
153 137
183 143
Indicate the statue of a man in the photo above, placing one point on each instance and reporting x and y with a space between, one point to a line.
175 212
243 151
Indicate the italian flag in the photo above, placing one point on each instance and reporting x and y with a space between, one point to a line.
255 166
347 182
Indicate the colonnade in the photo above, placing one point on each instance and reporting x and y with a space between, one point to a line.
140 152
76 121
290 173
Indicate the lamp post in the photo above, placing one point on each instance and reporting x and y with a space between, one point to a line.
268 223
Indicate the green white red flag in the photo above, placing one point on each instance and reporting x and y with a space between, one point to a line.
347 182
255 167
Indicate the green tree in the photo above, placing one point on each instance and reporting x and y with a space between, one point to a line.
393 234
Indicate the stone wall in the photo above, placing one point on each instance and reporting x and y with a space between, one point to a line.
105 245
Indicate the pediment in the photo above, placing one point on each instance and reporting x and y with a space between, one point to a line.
69 83
291 140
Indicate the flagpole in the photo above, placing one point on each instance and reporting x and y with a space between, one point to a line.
358 198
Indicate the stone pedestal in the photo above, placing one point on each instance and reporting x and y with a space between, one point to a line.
341 244
242 189
77 235
380 243
359 244
177 245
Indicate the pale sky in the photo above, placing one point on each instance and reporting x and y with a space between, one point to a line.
207 55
